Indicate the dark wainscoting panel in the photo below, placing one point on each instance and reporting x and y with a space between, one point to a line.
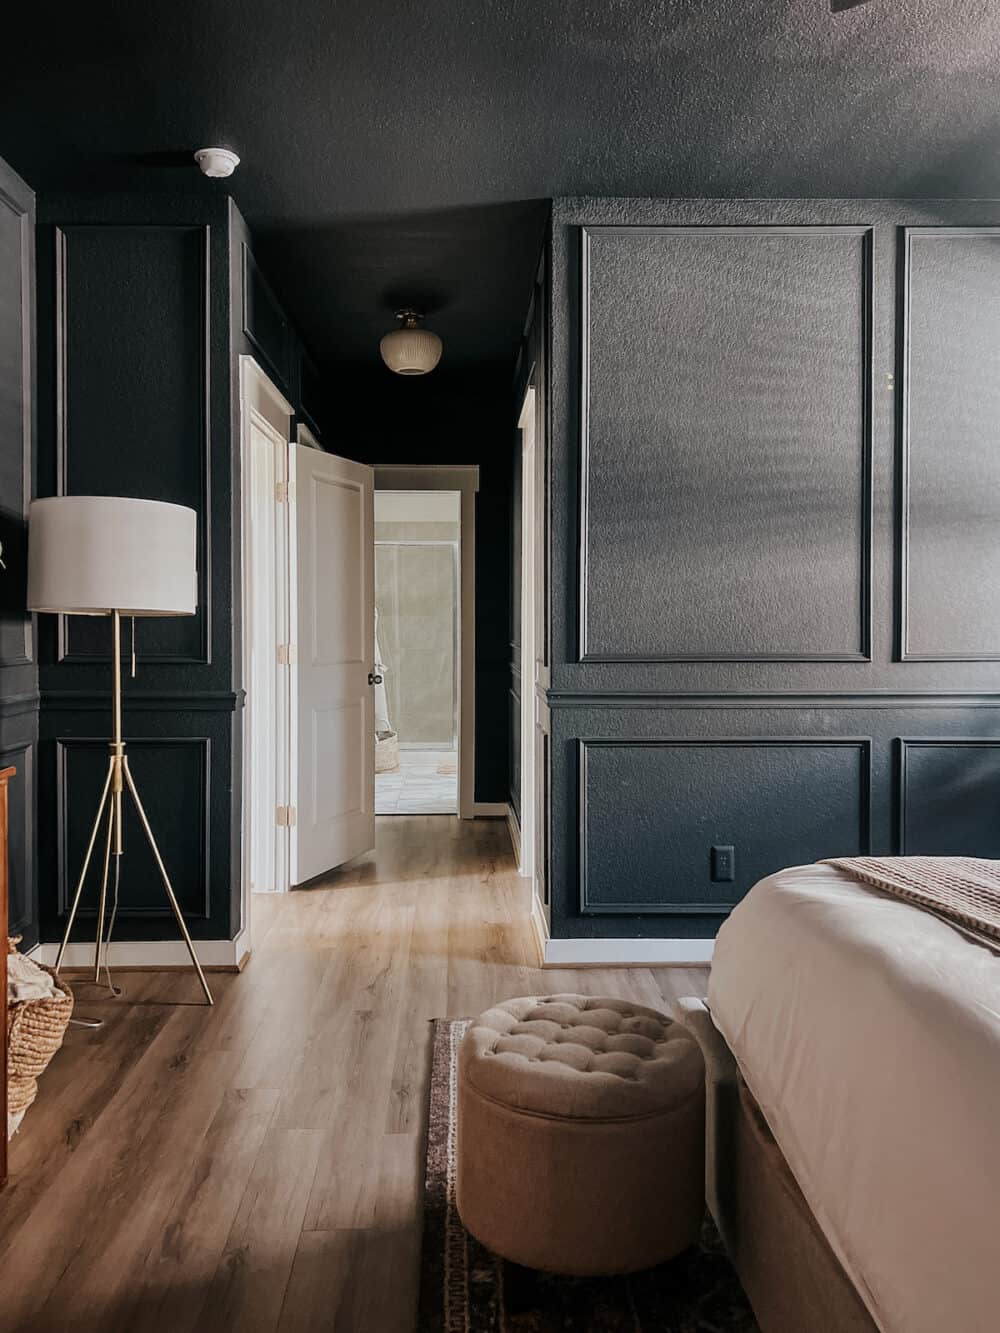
16 420
18 666
951 458
643 789
311 402
949 797
173 776
264 323
772 448
726 444
652 811
22 918
186 767
132 409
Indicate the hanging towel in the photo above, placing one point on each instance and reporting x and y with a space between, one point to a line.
382 724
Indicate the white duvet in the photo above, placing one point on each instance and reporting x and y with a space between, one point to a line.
869 1033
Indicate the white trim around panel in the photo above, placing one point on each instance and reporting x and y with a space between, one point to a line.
223 955
628 953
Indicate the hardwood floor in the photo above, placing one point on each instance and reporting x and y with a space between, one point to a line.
258 1166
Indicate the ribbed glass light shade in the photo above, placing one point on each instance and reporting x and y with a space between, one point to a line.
410 351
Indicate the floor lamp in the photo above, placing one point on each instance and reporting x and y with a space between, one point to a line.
98 555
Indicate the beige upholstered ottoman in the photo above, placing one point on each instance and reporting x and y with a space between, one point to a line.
581 1134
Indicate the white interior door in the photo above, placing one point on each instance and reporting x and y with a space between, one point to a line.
333 637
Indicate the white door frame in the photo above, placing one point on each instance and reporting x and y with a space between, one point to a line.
529 654
403 477
263 406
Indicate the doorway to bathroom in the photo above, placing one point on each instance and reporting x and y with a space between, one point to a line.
425 597
417 647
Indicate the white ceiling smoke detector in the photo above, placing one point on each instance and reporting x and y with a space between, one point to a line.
410 350
217 161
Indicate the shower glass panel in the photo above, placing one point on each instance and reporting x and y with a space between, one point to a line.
416 593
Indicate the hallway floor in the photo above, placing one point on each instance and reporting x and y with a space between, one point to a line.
426 783
257 1166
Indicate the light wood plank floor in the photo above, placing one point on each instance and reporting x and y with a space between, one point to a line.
257 1166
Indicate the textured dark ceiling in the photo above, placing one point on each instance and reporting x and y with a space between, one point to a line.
392 149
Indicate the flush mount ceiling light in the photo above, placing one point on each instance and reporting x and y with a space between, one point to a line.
217 161
410 350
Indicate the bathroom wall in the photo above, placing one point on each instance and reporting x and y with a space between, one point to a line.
416 593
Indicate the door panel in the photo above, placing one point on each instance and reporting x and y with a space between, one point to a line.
333 601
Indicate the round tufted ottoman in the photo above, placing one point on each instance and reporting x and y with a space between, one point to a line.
581 1134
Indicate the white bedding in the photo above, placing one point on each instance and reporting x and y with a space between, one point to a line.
869 1033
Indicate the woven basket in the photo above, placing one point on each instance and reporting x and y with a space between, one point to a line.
386 752
35 1030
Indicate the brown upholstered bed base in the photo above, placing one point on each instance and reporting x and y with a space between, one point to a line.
794 1280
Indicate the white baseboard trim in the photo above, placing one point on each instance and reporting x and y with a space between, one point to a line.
514 829
539 928
628 953
490 810
221 955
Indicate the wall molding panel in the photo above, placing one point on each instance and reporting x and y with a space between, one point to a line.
170 257
775 526
179 783
19 697
948 796
17 239
656 699
23 906
696 785
638 394
949 502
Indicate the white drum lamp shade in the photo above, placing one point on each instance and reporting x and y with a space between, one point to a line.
89 555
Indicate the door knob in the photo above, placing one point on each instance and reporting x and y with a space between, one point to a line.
374 678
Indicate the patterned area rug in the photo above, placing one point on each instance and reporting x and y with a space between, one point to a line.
466 1289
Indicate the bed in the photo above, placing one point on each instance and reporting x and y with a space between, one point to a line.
852 1043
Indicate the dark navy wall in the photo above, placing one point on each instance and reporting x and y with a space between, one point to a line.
145 305
775 503
18 661
134 399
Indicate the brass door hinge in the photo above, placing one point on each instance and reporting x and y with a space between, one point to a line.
283 491
285 816
287 655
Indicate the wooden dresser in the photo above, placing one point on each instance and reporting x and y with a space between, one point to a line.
5 775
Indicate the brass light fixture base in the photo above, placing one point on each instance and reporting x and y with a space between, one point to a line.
119 780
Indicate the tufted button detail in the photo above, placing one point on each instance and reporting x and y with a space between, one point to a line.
589 1057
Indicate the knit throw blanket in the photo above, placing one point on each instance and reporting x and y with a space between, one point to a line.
964 890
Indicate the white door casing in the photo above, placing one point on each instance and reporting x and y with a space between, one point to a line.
332 566
534 797
265 429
